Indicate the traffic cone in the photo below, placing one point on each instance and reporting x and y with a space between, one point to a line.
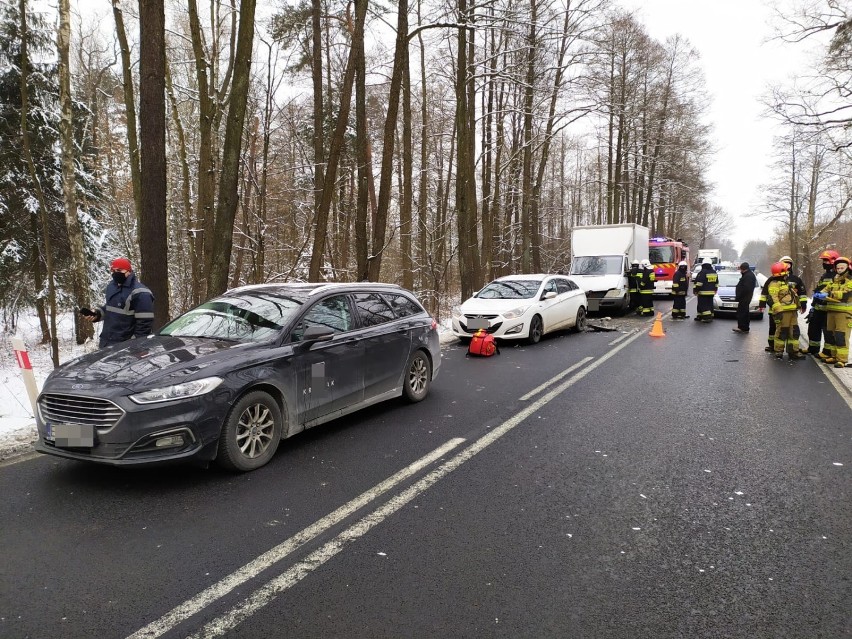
657 329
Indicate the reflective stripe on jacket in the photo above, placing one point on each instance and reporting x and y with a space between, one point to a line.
645 281
781 295
680 282
706 282
128 312
840 294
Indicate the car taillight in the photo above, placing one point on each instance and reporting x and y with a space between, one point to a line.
434 324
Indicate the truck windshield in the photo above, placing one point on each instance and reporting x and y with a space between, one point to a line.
597 265
661 254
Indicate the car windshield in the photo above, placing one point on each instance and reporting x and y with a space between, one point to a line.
661 254
247 317
597 265
510 290
730 278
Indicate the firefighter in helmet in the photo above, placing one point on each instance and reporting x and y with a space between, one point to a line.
801 292
838 299
633 285
782 299
705 286
680 284
645 280
818 335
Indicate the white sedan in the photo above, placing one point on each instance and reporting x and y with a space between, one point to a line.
725 301
522 307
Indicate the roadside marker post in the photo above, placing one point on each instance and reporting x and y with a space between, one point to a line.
23 359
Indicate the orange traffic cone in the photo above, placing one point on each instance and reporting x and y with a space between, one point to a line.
657 329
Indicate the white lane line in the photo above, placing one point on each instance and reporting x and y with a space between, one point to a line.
621 338
221 588
555 378
267 593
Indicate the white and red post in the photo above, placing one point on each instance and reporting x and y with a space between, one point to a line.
23 359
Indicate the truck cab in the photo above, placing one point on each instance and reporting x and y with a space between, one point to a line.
665 253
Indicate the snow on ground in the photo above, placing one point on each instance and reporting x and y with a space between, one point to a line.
17 424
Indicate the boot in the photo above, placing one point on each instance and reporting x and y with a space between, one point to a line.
768 349
779 355
839 365
797 355
830 360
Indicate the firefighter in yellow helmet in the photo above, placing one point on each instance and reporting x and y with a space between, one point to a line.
783 302
839 308
802 293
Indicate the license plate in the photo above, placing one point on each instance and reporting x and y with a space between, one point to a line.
476 323
71 435
734 305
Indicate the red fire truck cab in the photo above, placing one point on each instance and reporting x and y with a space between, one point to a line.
664 254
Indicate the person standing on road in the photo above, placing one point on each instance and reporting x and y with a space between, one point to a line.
839 307
633 285
818 333
645 280
743 294
802 293
781 297
704 288
129 308
680 285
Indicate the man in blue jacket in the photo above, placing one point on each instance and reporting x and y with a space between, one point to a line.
129 308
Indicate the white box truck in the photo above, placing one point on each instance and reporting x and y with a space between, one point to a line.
600 259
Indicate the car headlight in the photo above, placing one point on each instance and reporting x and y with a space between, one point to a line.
614 292
516 312
178 391
457 312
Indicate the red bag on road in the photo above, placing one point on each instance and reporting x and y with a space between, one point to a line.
482 344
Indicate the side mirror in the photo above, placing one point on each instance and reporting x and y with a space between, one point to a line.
317 334
549 295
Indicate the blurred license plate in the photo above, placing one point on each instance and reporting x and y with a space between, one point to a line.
478 322
730 305
71 435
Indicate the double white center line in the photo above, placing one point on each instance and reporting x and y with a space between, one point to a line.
268 592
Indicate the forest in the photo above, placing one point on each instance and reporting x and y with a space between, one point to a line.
435 144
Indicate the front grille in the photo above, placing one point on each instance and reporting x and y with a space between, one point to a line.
727 299
488 317
594 295
74 409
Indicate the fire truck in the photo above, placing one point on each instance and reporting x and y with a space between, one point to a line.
664 254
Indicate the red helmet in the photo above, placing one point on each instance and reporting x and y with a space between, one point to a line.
842 259
780 268
829 255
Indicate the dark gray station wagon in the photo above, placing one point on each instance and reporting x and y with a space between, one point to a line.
231 378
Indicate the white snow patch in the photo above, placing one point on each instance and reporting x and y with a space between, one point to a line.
836 464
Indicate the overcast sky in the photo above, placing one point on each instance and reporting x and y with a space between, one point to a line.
739 63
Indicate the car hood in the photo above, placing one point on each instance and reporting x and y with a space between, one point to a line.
727 291
478 306
597 282
161 359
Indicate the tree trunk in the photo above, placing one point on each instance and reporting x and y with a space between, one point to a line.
362 153
153 231
36 183
226 207
83 330
407 204
385 178
319 115
129 109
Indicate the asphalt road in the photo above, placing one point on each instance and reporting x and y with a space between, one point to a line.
683 486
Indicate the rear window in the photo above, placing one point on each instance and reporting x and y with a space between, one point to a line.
372 309
402 306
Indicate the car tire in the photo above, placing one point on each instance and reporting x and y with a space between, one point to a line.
417 377
251 432
536 330
580 322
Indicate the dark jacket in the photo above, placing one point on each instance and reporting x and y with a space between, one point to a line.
825 280
707 281
128 312
680 281
745 287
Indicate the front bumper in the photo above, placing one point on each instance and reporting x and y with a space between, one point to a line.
728 306
499 327
663 287
597 301
131 440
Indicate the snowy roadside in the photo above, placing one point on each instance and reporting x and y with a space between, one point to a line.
17 422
